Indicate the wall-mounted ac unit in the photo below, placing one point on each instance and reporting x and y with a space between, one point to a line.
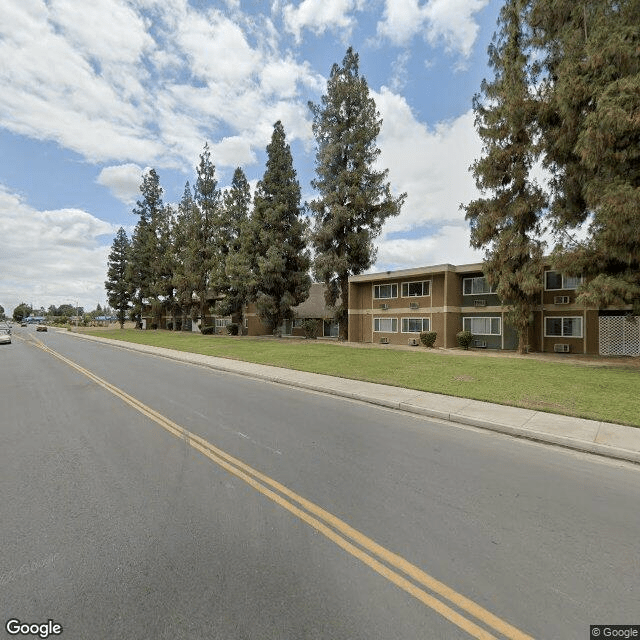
561 300
384 340
384 306
414 305
480 344
561 348
413 342
479 303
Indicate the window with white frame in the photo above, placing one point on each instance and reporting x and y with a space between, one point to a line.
385 325
476 286
555 281
416 289
384 291
485 326
563 327
415 325
222 322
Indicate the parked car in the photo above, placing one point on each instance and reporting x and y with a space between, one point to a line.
41 327
5 333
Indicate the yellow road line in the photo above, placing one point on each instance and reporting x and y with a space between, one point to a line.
258 481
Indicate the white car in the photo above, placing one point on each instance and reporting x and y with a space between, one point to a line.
5 333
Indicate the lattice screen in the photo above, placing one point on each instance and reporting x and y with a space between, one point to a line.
619 336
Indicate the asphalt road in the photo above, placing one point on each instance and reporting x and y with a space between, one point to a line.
113 527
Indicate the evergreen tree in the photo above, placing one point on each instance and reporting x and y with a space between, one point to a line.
145 249
590 123
165 266
207 212
354 199
117 286
507 221
275 238
185 234
237 203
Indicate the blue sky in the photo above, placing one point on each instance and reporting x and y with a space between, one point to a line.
93 93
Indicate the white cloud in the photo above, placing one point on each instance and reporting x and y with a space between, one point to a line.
431 165
453 22
449 245
450 21
123 181
217 49
51 257
320 16
53 90
153 86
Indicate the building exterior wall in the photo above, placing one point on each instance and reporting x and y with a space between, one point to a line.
378 308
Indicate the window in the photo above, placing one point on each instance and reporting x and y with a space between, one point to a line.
563 327
298 323
415 325
554 281
382 291
482 326
385 325
416 289
330 328
475 286
222 322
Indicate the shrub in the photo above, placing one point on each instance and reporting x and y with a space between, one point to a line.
464 339
169 326
311 328
428 338
207 331
232 328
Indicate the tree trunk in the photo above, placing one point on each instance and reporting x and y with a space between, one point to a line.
523 338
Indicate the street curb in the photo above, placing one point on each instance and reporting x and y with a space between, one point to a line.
583 446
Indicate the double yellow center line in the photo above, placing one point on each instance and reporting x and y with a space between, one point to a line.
393 567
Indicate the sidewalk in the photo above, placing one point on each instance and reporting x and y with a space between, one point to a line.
602 438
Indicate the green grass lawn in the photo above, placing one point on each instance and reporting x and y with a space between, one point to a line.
599 393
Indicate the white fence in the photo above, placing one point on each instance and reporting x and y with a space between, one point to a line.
619 335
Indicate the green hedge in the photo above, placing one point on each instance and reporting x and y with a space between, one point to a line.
428 338
464 339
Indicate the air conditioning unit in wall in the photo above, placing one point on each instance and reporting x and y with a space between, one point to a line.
561 300
384 306
480 344
413 342
479 303
561 348
384 340
414 305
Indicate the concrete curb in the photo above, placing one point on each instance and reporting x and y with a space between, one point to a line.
278 375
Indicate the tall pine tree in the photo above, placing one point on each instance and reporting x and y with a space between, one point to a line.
237 203
207 200
354 198
275 240
144 244
506 221
590 123
117 286
185 232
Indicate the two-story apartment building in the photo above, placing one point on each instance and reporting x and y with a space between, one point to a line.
395 306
